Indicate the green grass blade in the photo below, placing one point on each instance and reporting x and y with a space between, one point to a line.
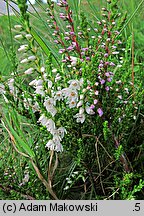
132 16
20 143
43 45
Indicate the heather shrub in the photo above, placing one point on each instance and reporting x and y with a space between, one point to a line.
73 106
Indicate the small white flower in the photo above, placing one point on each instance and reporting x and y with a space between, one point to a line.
11 85
72 104
39 90
115 53
32 58
28 36
2 89
18 36
58 95
89 110
79 104
54 70
35 107
24 61
52 111
18 27
74 84
80 117
23 48
127 91
73 60
61 131
49 103
42 69
29 71
81 110
72 94
66 188
50 125
33 82
81 97
39 82
50 84
43 120
58 148
58 77
84 90
50 145
56 139
120 97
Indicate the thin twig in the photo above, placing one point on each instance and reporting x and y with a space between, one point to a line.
96 146
112 194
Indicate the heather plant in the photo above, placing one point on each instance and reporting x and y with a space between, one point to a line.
72 103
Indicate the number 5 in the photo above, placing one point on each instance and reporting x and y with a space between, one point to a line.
137 207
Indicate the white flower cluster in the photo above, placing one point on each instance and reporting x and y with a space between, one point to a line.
58 133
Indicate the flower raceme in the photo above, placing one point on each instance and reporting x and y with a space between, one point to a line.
83 78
